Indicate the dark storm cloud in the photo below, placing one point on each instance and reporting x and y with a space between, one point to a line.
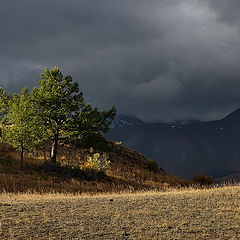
159 60
227 10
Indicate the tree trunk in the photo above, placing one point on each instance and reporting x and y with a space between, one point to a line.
21 156
54 147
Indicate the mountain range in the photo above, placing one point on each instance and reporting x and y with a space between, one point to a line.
124 120
186 149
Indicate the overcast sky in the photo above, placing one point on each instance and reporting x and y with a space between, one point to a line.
157 59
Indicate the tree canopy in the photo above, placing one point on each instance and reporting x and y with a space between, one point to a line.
54 111
61 107
22 127
4 100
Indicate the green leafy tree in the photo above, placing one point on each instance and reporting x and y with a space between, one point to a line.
4 106
4 100
60 105
22 128
89 122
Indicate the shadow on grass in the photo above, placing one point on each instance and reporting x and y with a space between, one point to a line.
69 172
9 165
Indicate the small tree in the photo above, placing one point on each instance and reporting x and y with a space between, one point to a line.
21 127
61 106
4 100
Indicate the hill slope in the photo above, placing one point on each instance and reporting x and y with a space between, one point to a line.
129 171
188 149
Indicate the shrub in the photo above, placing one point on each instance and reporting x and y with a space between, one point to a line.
153 166
97 162
203 180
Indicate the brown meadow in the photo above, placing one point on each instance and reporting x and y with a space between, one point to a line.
175 214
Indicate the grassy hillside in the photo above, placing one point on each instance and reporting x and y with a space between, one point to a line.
128 171
186 214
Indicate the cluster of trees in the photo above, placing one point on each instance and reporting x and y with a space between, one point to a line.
54 111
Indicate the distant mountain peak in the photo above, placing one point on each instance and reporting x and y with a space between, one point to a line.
124 120
234 116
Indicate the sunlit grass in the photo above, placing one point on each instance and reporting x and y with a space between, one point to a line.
188 213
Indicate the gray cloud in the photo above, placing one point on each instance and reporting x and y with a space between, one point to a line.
160 60
226 11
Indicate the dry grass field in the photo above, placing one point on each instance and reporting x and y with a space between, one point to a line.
177 214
